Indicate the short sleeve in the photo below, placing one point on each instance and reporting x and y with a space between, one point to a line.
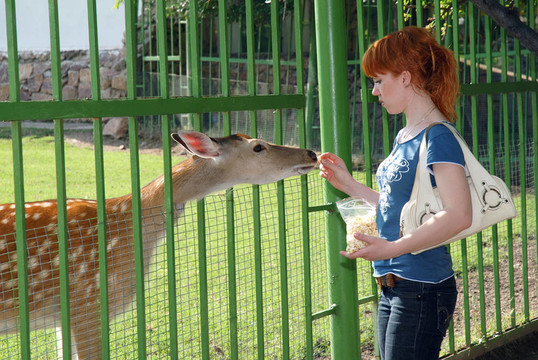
443 147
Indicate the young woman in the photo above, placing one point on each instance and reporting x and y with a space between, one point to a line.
416 76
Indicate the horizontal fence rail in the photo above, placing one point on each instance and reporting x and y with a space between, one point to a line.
74 109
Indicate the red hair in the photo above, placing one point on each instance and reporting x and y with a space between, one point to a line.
433 67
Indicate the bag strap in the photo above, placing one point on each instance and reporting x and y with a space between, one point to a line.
422 178
474 167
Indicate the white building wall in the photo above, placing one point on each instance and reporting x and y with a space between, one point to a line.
33 25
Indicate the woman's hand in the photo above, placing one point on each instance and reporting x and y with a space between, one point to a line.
376 249
334 169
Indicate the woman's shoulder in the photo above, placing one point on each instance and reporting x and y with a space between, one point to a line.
441 129
443 144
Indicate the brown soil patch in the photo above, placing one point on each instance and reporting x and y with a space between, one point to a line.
505 299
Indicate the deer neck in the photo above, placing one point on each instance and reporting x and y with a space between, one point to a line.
192 179
197 177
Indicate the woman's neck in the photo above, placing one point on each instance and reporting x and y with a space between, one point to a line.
419 109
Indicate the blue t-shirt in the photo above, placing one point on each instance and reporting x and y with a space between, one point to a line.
395 179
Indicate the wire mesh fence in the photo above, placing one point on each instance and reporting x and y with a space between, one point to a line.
250 282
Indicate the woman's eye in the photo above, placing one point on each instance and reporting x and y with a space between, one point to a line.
258 148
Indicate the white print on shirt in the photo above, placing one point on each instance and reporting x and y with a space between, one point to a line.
392 170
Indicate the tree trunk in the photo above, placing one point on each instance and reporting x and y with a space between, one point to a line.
508 18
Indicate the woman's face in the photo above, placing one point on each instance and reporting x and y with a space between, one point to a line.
391 91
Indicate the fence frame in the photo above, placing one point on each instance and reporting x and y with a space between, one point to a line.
332 65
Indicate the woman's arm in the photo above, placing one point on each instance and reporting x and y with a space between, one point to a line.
455 217
334 169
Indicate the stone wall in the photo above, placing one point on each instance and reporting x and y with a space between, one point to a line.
35 75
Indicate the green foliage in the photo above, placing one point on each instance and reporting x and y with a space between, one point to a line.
209 8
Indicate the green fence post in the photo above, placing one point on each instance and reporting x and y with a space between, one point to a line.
312 83
100 182
59 140
335 128
130 57
18 182
162 49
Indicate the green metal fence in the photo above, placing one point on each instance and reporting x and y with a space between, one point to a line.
496 270
255 272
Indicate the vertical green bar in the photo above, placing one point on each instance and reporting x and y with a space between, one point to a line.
195 72
455 48
312 82
507 178
354 64
362 31
381 31
307 277
474 112
491 146
20 221
168 185
437 14
419 13
193 55
100 181
463 245
335 128
521 124
130 44
18 181
284 305
258 261
400 15
534 109
63 246
230 218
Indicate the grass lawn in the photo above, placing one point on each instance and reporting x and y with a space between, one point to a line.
40 170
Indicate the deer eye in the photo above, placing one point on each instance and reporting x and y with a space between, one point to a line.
258 148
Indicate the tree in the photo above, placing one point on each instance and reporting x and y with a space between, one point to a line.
508 18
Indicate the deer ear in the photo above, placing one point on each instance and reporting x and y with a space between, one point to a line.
197 143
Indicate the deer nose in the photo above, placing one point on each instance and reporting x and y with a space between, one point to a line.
312 155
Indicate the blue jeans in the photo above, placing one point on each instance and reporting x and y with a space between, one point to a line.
413 318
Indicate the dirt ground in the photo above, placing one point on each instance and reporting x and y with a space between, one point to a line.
521 349
525 348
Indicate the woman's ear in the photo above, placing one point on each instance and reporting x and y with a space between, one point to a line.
406 78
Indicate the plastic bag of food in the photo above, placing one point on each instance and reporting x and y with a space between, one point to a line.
359 216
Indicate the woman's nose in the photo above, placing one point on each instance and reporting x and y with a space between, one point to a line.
375 90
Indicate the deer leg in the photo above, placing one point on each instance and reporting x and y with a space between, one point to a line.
59 343
60 346
85 328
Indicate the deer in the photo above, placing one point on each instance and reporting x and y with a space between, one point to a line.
214 164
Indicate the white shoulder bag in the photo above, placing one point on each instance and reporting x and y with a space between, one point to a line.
491 199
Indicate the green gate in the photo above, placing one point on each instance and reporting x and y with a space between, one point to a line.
255 272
